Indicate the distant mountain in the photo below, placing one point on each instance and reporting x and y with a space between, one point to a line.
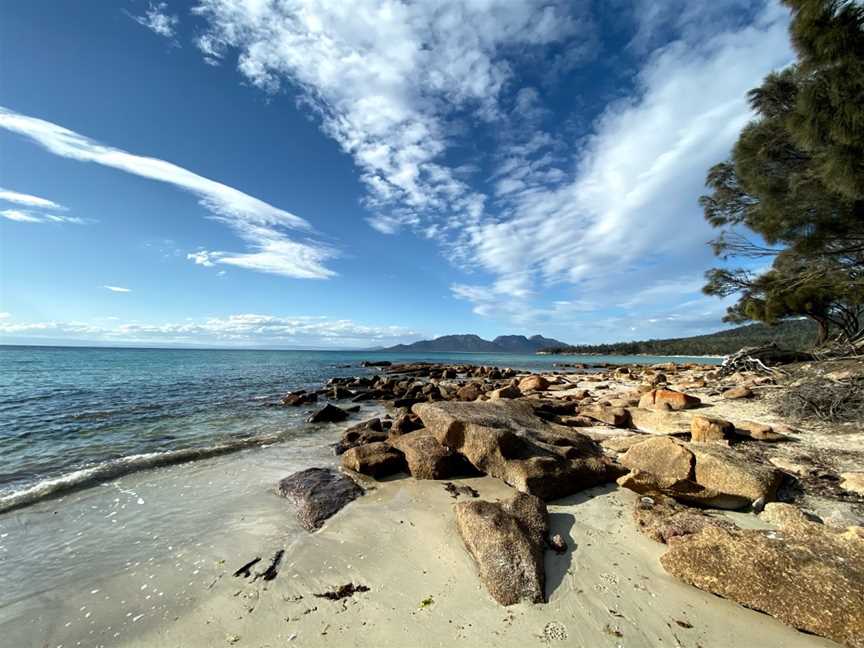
796 335
470 343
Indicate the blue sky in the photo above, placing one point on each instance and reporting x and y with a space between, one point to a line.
331 174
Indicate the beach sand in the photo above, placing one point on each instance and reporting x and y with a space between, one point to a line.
400 541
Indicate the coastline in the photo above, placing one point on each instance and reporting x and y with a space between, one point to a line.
168 578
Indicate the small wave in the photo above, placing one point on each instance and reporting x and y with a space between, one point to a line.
54 486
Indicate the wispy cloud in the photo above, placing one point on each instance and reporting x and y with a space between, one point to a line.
29 201
157 19
233 330
261 225
118 289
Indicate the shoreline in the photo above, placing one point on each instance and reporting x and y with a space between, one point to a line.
399 539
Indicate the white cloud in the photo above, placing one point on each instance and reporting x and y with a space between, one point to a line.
233 330
604 216
29 201
157 20
261 225
387 79
118 289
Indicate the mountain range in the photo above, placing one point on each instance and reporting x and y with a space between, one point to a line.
471 343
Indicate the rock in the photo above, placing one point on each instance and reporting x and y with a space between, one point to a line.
428 459
738 392
328 414
505 392
300 397
615 416
318 493
374 459
758 431
659 422
706 429
623 443
661 518
404 424
338 392
674 399
853 482
533 383
785 515
808 579
507 541
729 472
683 490
369 431
376 363
506 440
792 466
470 392
662 457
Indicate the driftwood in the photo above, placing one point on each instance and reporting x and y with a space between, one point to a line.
760 360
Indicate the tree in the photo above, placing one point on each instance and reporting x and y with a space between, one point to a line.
796 179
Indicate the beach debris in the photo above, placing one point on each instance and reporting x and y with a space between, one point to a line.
554 631
426 602
342 592
557 543
272 570
232 638
318 493
455 491
507 540
246 570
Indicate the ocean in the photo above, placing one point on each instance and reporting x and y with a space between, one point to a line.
73 416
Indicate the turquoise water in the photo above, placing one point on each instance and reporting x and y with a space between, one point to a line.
72 416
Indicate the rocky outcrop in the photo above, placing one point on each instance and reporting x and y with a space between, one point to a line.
507 540
510 391
469 392
659 422
668 398
614 416
809 578
506 440
428 459
298 398
706 474
318 493
374 459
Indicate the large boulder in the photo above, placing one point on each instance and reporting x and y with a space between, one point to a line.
505 439
730 472
660 456
699 473
659 422
367 432
374 459
670 398
507 540
469 392
328 414
404 424
807 576
708 429
427 458
318 493
534 383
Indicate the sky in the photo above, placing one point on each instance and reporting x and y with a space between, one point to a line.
323 174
